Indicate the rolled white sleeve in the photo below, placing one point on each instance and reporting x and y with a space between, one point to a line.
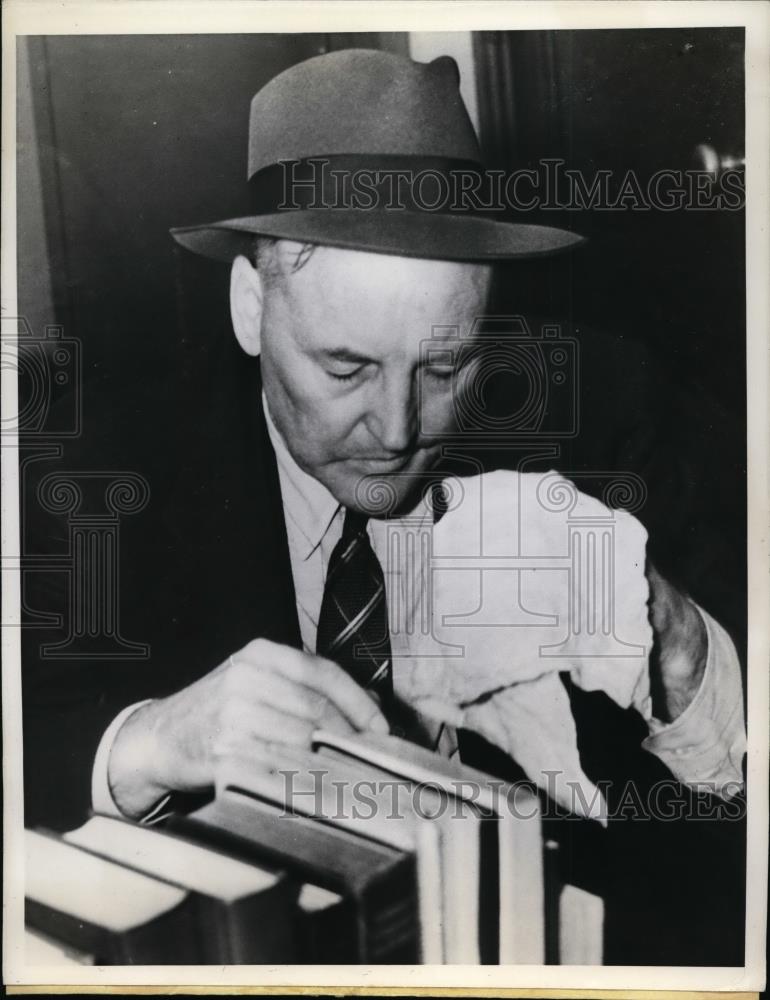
102 800
704 746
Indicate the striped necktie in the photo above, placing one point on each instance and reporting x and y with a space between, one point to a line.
353 624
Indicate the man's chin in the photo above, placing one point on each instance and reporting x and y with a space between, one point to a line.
384 492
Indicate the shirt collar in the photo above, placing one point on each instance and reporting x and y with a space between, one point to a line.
307 502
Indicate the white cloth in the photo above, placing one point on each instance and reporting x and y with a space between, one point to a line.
531 578
703 744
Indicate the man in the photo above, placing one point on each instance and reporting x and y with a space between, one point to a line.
282 567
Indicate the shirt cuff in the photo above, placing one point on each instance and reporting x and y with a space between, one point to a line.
102 800
704 746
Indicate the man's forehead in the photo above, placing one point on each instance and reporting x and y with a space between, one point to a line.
336 303
340 269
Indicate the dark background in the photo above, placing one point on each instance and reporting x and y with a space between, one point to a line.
638 100
123 137
131 135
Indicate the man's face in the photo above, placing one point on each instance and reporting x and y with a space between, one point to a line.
344 375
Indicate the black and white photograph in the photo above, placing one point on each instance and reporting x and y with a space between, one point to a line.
385 513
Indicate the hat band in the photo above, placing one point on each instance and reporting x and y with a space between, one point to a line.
369 183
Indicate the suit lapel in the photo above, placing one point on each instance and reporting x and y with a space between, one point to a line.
273 537
225 578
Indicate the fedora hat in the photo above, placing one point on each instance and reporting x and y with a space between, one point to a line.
368 150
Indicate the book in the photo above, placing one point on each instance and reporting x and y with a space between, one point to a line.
345 792
512 842
324 919
98 908
41 950
581 927
340 792
245 912
452 883
376 921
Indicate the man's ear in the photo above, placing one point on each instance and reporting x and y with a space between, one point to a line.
246 293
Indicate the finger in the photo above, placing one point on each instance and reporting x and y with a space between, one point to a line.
304 702
266 724
358 706
332 720
275 689
260 688
259 677
323 676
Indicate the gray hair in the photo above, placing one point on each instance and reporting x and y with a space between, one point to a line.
270 258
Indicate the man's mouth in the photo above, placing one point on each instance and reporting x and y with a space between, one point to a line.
390 464
385 463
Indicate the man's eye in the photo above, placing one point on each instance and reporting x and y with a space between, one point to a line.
442 372
345 376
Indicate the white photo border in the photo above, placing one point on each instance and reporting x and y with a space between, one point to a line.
41 17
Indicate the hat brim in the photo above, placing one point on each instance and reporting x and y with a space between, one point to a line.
407 234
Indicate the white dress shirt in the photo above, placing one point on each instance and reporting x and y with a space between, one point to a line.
705 744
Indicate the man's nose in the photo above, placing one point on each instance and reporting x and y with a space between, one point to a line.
394 415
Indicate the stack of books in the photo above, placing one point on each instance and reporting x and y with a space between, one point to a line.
361 851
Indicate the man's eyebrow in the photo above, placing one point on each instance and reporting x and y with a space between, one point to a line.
345 354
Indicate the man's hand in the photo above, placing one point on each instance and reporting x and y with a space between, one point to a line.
264 694
678 657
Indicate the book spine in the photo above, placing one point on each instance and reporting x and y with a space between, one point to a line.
254 931
66 929
391 926
328 937
171 939
552 885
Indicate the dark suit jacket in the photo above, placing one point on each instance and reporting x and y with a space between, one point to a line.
205 568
